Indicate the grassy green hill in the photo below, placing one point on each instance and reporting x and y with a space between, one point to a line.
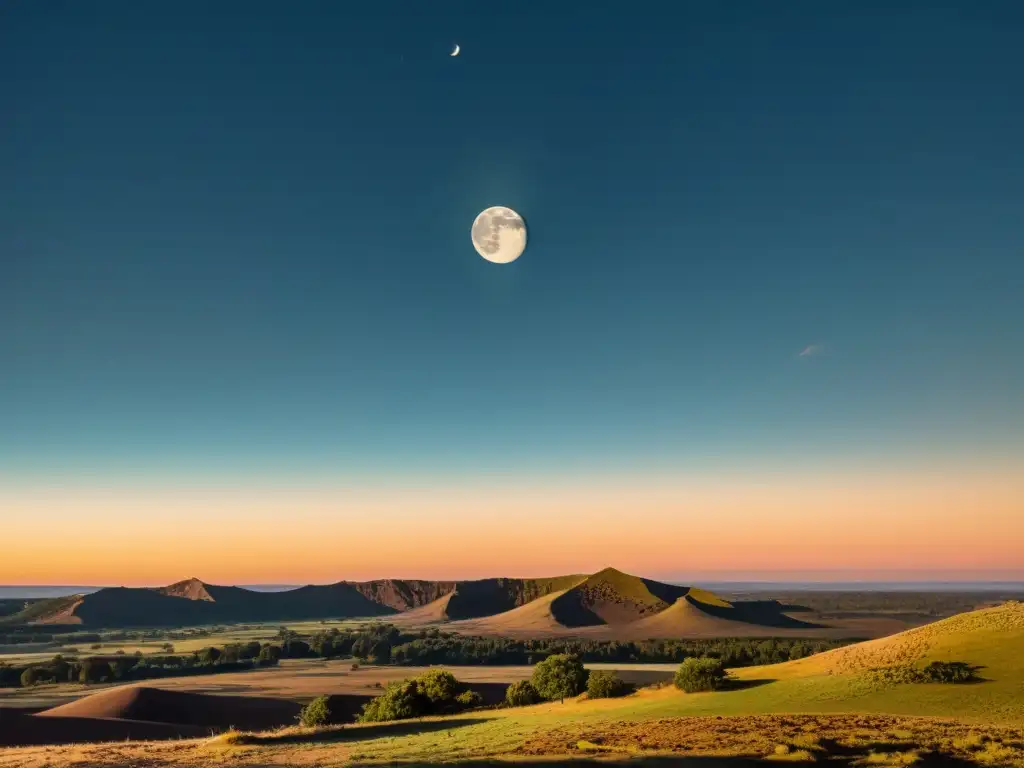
842 704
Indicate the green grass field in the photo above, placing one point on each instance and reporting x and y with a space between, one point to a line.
835 703
18 654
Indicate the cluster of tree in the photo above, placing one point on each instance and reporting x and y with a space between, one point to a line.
24 638
21 635
949 672
433 693
98 669
559 677
734 652
556 678
384 643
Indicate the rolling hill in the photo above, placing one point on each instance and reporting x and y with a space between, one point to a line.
618 605
195 602
609 600
834 706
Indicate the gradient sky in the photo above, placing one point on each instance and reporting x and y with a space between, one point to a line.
239 302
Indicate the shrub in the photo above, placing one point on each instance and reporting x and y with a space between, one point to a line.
434 692
438 685
559 676
29 677
606 685
949 672
521 694
468 699
700 674
315 714
400 701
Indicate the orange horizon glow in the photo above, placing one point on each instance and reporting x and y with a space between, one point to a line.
863 524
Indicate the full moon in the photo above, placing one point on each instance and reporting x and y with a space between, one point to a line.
499 234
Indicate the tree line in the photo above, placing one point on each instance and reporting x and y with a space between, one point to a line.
126 668
386 644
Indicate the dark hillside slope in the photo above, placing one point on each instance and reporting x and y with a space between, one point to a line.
194 602
487 597
613 597
402 594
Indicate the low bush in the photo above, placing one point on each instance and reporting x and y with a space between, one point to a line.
949 672
521 694
469 699
606 685
433 693
695 675
315 714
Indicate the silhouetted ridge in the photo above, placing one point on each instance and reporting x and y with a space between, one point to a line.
608 597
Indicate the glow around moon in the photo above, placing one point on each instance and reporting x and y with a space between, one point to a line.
455 51
499 234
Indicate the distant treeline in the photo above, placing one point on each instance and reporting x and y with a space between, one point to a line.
918 606
121 667
31 635
386 644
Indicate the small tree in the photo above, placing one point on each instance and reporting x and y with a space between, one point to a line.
269 655
606 685
438 685
316 714
949 672
380 652
521 694
400 701
250 650
93 671
559 676
468 699
295 649
701 674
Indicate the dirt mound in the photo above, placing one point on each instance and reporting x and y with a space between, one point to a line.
21 730
431 613
488 597
157 705
685 619
533 619
613 597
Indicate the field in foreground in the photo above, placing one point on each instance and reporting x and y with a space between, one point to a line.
840 704
303 679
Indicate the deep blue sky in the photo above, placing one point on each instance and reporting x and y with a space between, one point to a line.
235 235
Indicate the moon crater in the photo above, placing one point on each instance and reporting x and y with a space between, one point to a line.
499 234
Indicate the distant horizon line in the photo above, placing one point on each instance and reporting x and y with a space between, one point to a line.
789 578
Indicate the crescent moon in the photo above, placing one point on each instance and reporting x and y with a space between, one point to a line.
456 51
